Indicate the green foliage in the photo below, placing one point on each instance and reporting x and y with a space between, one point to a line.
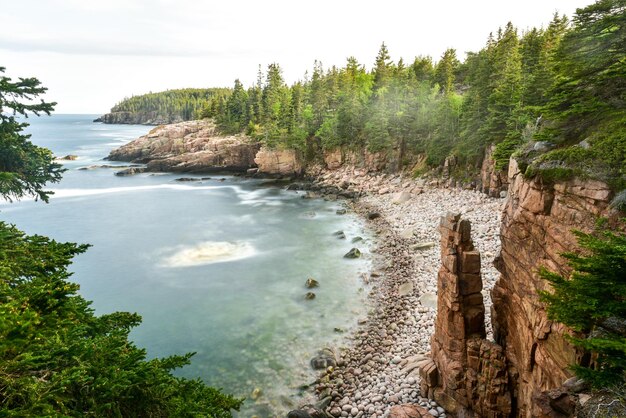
24 168
503 151
180 104
592 301
56 357
558 84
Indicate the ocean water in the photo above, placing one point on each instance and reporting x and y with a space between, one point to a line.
214 266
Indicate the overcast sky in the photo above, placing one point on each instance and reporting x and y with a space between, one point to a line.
91 54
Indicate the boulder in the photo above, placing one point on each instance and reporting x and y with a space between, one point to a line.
325 358
311 283
400 198
339 234
409 411
69 157
353 253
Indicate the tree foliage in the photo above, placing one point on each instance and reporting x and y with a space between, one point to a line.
24 167
592 301
57 358
173 105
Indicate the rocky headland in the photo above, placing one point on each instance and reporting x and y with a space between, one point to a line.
138 118
194 146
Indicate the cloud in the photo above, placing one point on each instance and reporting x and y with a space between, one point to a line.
100 47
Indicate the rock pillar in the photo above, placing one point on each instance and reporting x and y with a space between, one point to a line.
467 375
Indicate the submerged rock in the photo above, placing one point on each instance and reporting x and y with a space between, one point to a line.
325 358
298 413
341 212
353 253
356 239
311 283
339 234
309 296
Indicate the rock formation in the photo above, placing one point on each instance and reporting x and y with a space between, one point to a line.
494 182
194 146
283 162
525 371
467 374
370 161
536 228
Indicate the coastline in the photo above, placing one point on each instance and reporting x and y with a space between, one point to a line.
379 368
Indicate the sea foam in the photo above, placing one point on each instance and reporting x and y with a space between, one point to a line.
209 252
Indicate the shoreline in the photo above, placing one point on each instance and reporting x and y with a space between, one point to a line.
379 368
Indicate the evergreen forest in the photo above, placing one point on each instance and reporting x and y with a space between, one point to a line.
556 96
172 105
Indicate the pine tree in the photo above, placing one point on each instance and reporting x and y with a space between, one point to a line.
24 167
592 301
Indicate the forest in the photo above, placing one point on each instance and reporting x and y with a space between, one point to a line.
561 87
181 104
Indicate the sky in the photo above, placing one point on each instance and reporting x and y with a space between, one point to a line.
91 54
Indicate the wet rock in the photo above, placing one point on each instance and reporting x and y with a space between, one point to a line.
256 394
353 253
309 296
356 239
186 179
69 157
298 413
373 215
130 171
339 234
311 283
325 358
341 211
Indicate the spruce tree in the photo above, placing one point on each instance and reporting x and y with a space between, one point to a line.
592 301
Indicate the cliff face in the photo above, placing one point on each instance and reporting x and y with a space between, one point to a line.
194 146
138 118
523 372
282 162
493 181
536 229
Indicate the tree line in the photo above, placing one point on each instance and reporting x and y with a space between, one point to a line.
560 85
180 104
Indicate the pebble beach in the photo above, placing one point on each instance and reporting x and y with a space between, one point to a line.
379 367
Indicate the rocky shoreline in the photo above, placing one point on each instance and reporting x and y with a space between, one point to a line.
379 369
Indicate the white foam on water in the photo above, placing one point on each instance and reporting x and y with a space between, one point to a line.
209 252
260 197
64 193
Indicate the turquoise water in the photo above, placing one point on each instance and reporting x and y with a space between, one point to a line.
215 266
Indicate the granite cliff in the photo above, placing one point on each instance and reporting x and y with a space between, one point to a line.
194 146
524 372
